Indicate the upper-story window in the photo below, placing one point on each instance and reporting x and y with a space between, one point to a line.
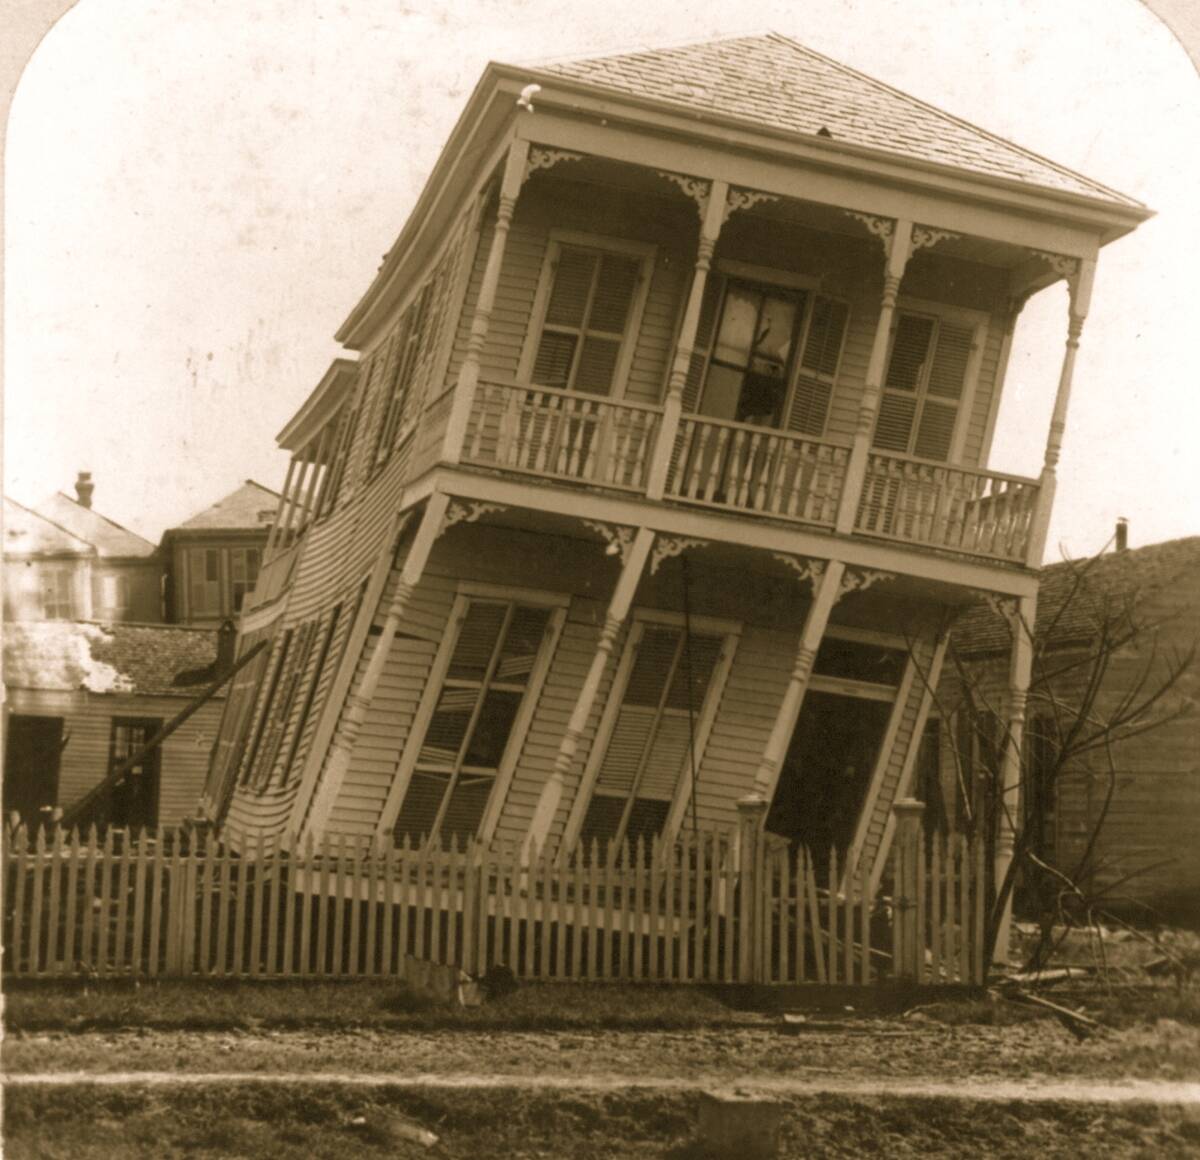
587 313
243 572
219 579
930 374
766 353
58 593
204 581
114 593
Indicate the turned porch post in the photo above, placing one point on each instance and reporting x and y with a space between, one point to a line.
618 610
899 248
354 710
826 589
468 373
1079 286
715 212
1008 816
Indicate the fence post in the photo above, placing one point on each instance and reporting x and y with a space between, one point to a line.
752 811
910 942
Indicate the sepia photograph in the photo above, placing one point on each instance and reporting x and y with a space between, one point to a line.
600 580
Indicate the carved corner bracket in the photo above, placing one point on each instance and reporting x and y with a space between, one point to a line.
926 237
618 536
860 579
695 188
467 513
1061 264
667 546
805 569
878 227
1007 607
738 199
543 157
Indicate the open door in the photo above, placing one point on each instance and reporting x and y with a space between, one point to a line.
31 765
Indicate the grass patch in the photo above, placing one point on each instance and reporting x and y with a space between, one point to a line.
233 1005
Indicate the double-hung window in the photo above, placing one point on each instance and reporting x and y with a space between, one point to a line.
491 667
654 733
58 597
590 305
243 572
204 581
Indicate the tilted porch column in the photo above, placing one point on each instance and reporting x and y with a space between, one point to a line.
827 587
618 610
713 217
1079 285
899 247
468 374
358 701
1021 618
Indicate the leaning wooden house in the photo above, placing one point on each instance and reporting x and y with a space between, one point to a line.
658 458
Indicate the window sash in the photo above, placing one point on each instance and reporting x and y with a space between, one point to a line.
204 592
58 594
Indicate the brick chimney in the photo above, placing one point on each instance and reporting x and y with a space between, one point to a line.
84 488
1122 534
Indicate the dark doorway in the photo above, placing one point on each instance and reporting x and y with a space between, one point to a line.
134 800
31 760
827 770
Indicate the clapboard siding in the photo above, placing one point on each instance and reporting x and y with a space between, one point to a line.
87 725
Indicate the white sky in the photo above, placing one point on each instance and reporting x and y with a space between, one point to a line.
199 191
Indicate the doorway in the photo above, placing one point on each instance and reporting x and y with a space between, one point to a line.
31 765
826 772
134 801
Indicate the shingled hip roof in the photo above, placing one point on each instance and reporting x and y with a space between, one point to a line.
773 81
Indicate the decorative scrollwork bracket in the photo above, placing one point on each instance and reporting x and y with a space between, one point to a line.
543 157
619 537
878 227
805 568
924 237
860 579
1061 264
695 188
667 546
745 199
467 513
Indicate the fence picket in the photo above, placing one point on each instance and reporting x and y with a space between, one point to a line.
669 920
388 964
561 927
273 877
546 875
73 856
35 918
685 885
797 902
53 958
259 878
814 915
207 881
287 899
18 871
122 903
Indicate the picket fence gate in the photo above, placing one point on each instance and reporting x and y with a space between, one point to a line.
717 906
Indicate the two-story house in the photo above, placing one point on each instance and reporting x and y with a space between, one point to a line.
658 463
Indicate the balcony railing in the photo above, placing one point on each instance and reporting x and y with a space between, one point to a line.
773 473
562 435
274 576
715 463
983 513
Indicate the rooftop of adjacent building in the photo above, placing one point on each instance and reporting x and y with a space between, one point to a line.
75 655
250 507
26 533
78 517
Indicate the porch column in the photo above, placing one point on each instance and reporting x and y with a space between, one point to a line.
899 247
358 701
710 230
468 373
618 610
1079 286
273 537
1008 817
825 593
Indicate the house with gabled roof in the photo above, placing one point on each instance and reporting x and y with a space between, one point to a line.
212 558
658 463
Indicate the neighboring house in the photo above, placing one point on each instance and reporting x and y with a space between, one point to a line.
65 561
212 559
1147 835
663 465
82 697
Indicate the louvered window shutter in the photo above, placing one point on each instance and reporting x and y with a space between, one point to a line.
702 347
586 319
819 361
943 394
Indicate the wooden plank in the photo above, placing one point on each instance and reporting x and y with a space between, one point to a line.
287 898
560 945
419 859
483 894
784 970
273 876
730 917
637 965
87 953
355 871
668 968
305 899
404 873
433 895
814 916
339 906
527 889
964 910
122 903
864 899
655 948
506 934
258 873
324 902
578 914
848 928
591 966
35 917
207 881
935 909
546 876
238 965
19 869
685 908
388 960
107 861
714 905
74 854
54 963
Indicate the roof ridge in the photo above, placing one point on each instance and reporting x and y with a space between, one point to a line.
683 42
106 519
53 523
794 44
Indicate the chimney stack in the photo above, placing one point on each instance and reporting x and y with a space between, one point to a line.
84 488
1122 539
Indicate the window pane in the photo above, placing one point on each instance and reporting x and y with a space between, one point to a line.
476 641
736 334
464 810
492 729
552 367
614 293
521 645
894 425
252 558
419 810
909 350
211 565
572 283
704 651
859 661
448 726
651 669
773 343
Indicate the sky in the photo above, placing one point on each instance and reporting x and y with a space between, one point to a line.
198 192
